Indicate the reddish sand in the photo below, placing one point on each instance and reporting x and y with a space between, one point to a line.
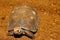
48 13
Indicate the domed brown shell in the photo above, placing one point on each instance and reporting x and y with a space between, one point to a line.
23 17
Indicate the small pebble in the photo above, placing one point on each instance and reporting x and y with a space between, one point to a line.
3 18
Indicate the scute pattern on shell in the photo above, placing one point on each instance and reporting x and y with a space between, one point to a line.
24 17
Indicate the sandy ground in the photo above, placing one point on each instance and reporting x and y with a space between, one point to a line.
48 13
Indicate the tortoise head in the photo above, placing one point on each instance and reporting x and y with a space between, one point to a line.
18 30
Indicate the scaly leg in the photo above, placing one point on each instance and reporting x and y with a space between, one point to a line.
28 33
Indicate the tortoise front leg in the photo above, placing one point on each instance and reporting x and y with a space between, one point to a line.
10 32
28 33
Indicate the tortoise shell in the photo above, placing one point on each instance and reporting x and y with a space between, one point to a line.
23 20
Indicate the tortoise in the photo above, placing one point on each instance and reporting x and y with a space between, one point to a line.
23 20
